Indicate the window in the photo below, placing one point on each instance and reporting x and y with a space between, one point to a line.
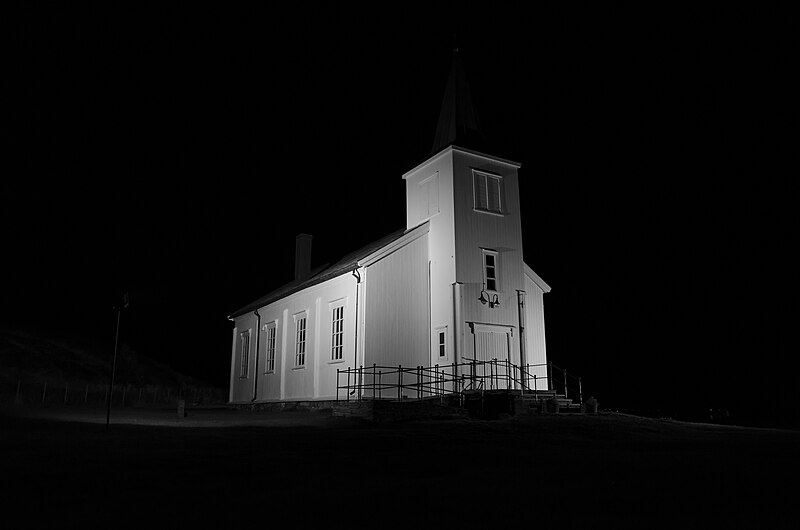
269 366
441 337
490 270
300 340
487 192
244 349
337 333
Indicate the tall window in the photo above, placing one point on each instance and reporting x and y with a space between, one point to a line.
490 270
337 333
244 348
269 366
441 338
300 340
487 192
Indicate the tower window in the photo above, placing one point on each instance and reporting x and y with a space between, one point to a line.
487 192
490 276
441 341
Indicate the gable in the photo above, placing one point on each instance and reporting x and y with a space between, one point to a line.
535 278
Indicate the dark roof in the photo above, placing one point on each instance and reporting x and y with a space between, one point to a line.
458 120
346 264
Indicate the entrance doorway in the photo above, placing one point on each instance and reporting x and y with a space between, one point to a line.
491 350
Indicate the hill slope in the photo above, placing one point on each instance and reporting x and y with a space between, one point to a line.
32 357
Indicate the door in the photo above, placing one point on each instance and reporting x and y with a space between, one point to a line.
491 345
491 354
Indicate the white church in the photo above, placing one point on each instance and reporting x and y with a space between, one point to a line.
434 305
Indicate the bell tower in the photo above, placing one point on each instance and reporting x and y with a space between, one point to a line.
470 200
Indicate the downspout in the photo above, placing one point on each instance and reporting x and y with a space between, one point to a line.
233 361
523 334
430 316
258 335
456 329
357 276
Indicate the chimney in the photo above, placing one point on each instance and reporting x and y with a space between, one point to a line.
302 256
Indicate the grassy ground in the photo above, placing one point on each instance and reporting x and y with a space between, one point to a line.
221 468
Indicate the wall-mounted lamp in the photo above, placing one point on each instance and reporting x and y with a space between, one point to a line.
484 297
494 302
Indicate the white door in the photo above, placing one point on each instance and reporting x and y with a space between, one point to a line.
491 349
491 345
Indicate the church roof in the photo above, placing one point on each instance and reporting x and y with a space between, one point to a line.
458 119
345 265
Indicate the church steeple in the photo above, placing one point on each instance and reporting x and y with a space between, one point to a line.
458 121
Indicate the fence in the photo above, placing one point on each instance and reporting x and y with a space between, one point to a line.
420 382
51 392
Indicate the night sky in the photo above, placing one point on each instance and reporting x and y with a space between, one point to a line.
176 151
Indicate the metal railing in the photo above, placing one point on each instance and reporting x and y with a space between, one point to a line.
430 382
567 383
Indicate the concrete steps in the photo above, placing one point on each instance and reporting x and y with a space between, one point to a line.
542 402
388 410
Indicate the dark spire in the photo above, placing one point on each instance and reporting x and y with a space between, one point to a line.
458 120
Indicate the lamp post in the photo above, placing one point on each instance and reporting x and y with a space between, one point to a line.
119 308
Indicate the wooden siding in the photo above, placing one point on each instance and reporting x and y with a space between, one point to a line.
474 231
269 386
441 243
535 349
233 363
492 344
242 387
317 380
397 308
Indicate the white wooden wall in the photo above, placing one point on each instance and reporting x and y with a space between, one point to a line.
429 198
535 348
397 308
317 378
474 231
240 389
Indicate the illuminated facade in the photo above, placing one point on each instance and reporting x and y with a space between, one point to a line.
451 287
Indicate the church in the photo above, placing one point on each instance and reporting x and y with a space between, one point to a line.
446 304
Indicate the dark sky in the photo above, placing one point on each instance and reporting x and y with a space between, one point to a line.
175 151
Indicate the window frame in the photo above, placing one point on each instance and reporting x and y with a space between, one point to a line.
337 332
270 346
441 342
485 176
300 356
495 268
244 354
